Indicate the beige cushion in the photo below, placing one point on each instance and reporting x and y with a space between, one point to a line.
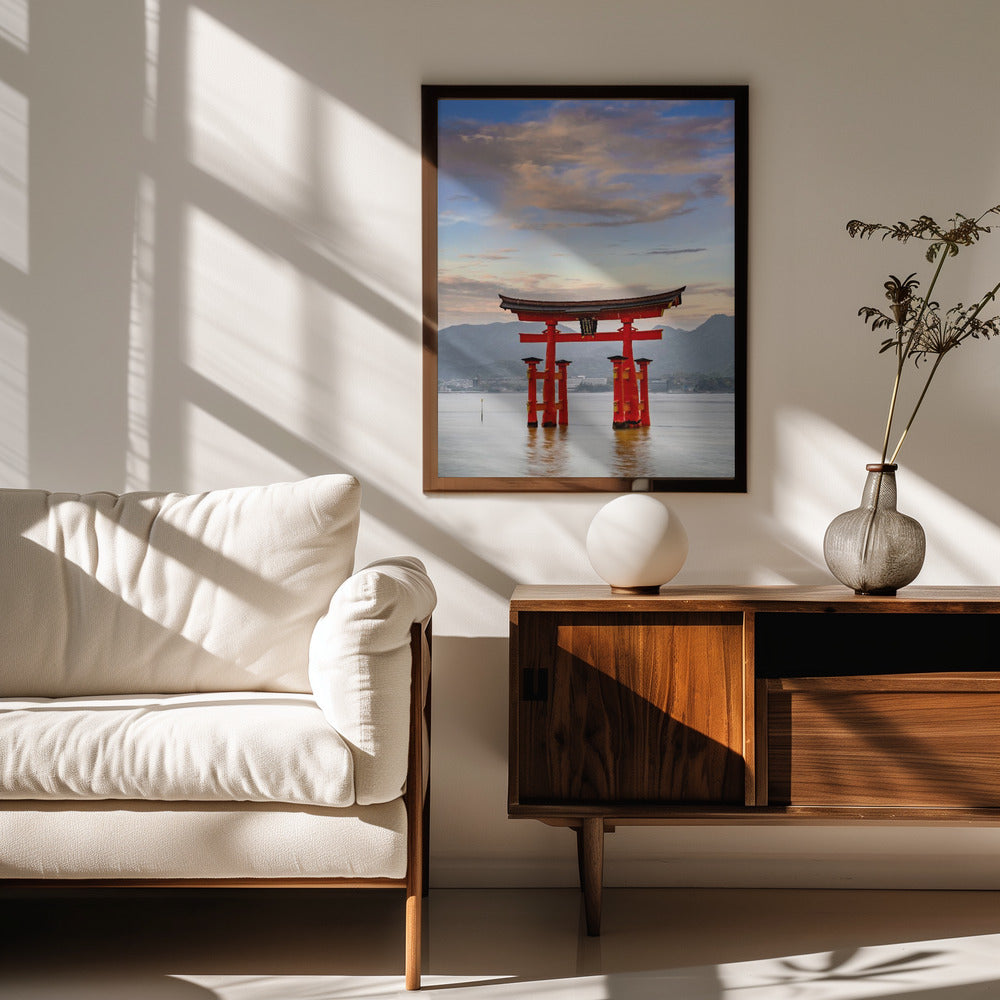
165 593
225 747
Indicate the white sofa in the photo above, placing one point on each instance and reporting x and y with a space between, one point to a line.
201 690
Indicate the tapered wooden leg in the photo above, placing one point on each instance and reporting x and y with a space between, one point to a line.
414 906
414 902
592 869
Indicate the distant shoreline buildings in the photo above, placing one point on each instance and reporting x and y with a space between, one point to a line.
678 383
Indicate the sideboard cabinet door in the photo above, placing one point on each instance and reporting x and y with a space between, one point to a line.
629 707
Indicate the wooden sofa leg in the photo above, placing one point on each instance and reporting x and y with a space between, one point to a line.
414 905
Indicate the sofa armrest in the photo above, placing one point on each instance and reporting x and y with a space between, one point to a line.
360 669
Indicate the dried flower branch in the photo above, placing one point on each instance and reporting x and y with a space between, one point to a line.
919 331
962 231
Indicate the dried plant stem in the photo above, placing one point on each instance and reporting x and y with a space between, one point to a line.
902 353
923 393
892 403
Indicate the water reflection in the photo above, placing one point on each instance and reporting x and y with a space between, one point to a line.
632 457
547 451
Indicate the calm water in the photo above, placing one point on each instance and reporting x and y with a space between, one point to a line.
690 435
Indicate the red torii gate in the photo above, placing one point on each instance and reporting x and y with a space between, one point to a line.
631 387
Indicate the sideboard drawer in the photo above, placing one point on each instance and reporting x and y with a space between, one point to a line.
914 740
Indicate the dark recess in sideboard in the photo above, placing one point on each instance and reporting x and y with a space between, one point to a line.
807 644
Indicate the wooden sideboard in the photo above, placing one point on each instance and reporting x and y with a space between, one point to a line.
751 705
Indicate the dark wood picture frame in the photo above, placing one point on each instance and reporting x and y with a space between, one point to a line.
700 136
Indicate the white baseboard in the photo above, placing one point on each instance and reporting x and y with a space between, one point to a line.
960 871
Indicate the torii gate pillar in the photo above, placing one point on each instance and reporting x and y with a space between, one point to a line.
642 379
532 364
631 383
555 398
563 404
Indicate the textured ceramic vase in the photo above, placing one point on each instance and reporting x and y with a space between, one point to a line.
874 549
636 543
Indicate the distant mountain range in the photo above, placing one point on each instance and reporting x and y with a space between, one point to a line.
494 351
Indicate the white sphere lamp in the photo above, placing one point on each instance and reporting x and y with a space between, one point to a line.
636 543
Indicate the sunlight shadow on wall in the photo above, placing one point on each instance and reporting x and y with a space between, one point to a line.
312 162
13 177
13 402
244 323
252 322
218 451
13 259
295 304
84 160
14 23
140 345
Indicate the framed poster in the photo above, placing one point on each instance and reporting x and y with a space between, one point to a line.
585 269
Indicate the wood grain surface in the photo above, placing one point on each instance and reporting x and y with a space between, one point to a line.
902 740
642 708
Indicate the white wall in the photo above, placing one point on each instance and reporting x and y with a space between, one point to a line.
210 275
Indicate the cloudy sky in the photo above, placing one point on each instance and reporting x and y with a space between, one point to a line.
584 199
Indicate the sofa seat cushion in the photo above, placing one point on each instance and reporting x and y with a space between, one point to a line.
221 747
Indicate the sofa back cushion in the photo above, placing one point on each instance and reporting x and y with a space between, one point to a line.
144 592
